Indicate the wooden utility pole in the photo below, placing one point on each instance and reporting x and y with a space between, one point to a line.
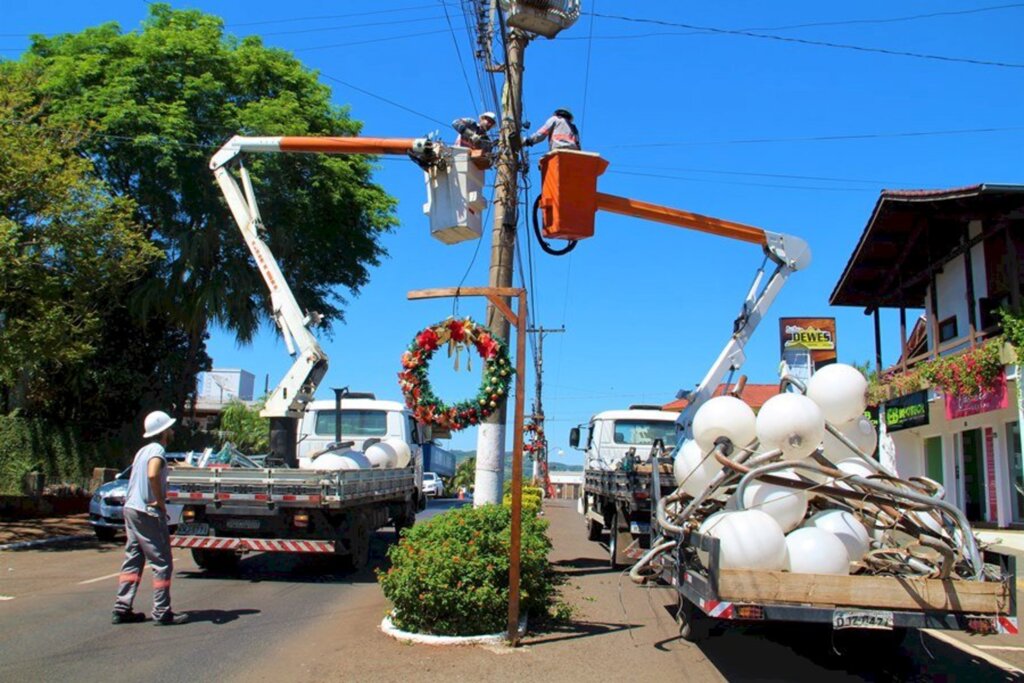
538 405
490 445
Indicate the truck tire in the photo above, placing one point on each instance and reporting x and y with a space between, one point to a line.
223 561
359 543
104 533
594 530
618 541
694 625
405 519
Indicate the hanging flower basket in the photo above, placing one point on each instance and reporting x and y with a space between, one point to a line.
458 335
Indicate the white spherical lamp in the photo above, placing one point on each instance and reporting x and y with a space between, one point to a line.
792 423
860 431
723 416
748 539
787 506
811 550
847 528
841 391
694 468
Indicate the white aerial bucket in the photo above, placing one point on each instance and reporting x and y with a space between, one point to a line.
455 198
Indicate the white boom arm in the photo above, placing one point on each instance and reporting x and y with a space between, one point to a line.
290 396
789 254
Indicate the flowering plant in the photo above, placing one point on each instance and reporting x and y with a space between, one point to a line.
966 374
458 334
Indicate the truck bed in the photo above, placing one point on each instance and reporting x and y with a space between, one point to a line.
625 485
283 487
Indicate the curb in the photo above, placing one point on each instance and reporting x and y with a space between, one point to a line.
42 541
393 631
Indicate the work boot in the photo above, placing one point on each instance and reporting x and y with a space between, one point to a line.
171 619
127 617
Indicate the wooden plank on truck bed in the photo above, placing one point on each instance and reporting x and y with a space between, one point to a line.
887 592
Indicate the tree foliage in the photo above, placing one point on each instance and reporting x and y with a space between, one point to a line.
150 107
242 425
68 247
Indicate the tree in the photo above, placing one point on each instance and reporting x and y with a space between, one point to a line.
68 247
242 425
158 102
465 474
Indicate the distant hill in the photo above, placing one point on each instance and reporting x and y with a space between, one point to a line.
553 465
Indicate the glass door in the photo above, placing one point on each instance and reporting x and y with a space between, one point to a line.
1016 463
933 458
974 482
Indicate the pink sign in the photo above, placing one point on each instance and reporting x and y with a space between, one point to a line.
965 406
990 473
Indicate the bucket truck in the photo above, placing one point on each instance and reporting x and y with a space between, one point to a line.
232 511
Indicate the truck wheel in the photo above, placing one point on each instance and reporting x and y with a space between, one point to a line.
104 533
594 530
405 519
359 543
694 625
216 560
618 541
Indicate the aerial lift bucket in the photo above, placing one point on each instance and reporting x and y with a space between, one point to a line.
569 193
455 198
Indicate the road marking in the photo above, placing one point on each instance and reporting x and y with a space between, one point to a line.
99 578
1000 647
974 651
6 597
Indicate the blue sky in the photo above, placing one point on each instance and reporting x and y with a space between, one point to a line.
718 123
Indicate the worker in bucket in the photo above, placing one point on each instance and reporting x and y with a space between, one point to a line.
145 523
560 131
473 134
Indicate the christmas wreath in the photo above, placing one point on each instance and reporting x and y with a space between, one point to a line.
457 334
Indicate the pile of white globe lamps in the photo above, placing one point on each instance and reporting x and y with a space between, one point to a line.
854 466
812 550
847 528
388 454
335 461
723 416
787 506
840 390
748 539
694 468
791 423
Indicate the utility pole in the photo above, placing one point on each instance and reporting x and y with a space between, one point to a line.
538 406
490 444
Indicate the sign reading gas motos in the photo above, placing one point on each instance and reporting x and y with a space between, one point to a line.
907 411
817 336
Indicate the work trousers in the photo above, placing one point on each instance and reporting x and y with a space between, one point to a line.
148 539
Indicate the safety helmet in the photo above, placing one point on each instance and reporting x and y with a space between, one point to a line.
490 115
564 113
156 422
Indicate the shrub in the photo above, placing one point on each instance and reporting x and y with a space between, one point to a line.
449 576
531 502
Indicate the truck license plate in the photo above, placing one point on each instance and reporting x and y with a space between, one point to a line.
193 529
248 524
862 618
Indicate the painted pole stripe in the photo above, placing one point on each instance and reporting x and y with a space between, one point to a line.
257 544
719 609
1008 625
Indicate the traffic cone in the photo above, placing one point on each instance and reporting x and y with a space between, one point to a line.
462 494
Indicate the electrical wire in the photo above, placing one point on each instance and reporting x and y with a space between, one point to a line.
586 77
383 99
740 182
322 29
458 55
368 41
763 175
814 43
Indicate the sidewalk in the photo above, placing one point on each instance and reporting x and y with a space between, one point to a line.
23 530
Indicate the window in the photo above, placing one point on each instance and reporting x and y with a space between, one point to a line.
947 329
354 423
644 432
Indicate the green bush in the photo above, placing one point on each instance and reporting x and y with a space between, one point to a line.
449 576
58 451
531 502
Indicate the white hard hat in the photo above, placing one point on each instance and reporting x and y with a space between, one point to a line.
156 422
489 115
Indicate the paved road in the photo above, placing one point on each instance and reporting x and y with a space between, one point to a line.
55 625
286 619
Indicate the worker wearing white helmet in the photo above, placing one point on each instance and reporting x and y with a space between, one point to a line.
145 524
473 134
559 130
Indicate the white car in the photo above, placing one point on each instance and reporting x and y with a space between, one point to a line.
432 485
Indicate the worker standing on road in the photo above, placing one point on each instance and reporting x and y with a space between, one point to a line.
560 131
473 134
145 523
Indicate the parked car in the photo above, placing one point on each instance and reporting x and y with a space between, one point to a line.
106 509
433 487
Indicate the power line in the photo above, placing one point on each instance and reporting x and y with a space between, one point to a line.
383 99
816 43
322 29
739 182
586 78
371 40
458 54
330 16
826 138
763 174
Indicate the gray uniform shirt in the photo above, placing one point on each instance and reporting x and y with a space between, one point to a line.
139 493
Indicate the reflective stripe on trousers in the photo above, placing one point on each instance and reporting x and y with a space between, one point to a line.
148 540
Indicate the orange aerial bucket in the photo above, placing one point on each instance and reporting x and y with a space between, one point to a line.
569 193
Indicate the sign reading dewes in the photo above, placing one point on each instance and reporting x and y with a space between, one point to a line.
817 335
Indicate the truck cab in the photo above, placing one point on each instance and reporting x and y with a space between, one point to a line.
612 433
363 421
